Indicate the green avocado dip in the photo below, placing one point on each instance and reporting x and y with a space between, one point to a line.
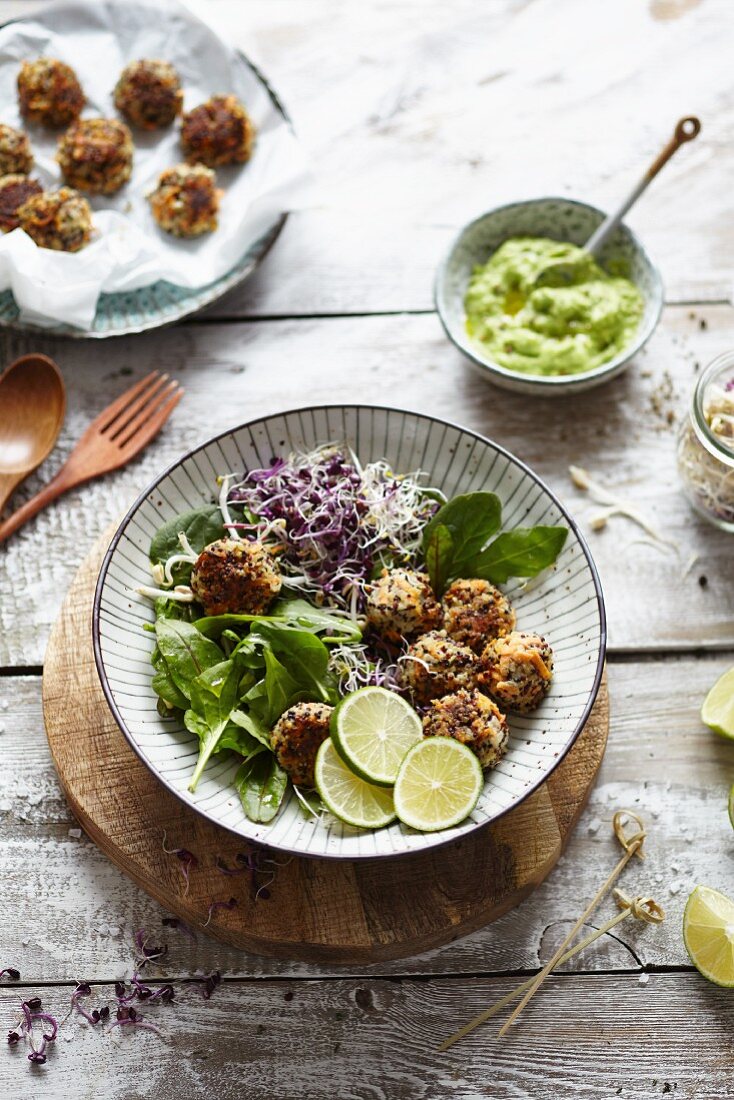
584 321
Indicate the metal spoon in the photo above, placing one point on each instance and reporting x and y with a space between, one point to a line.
32 408
563 272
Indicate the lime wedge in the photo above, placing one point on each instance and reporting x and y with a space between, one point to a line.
372 729
708 933
717 711
438 784
349 797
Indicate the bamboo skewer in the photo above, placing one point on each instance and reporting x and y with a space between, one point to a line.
645 909
633 847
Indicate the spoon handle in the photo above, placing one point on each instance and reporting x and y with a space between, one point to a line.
686 130
8 483
64 480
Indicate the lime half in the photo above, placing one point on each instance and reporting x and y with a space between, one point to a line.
372 730
438 784
708 933
718 707
349 797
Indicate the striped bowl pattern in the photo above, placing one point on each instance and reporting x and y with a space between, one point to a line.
566 605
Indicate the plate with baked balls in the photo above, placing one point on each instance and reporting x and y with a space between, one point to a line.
146 167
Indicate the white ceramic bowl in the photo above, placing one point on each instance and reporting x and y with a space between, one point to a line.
566 606
561 220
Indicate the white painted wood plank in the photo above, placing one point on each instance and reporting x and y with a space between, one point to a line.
65 904
415 125
598 1037
236 372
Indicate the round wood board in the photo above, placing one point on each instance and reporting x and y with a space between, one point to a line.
318 910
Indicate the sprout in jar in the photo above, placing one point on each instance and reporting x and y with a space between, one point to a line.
706 445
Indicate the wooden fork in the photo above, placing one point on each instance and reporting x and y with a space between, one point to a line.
117 435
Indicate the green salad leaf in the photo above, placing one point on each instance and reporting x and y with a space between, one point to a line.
456 543
201 526
522 552
261 784
185 651
213 698
296 612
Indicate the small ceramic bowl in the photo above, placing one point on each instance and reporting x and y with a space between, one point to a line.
561 220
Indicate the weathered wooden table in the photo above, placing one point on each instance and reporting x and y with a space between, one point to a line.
418 115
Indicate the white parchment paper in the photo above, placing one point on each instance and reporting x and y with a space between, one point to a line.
129 250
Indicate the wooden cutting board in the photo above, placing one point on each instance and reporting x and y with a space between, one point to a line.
317 910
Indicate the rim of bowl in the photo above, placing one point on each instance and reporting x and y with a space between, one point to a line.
548 381
249 424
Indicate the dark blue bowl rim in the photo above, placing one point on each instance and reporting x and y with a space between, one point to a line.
250 424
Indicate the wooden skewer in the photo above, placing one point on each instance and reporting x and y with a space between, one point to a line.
632 846
642 908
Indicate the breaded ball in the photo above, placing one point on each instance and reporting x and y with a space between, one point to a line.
148 93
15 190
401 604
474 612
61 220
186 200
436 665
235 576
16 157
96 155
474 720
49 92
218 132
296 738
517 670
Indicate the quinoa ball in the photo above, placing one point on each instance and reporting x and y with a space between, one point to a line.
49 92
15 190
296 738
96 155
186 201
217 132
436 665
61 219
517 670
235 576
148 93
16 157
401 604
474 612
474 720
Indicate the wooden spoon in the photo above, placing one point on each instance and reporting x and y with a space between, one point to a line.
32 408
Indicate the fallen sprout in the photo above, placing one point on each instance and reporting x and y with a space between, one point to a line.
218 905
11 973
182 926
614 506
32 1012
210 983
188 860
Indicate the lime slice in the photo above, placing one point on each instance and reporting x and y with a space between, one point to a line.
718 707
438 784
708 933
372 730
349 797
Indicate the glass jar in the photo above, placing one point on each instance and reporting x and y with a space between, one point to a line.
706 444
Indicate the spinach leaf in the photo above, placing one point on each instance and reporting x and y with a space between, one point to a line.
457 533
213 698
165 688
522 552
186 652
254 727
238 740
261 784
294 612
304 656
455 543
201 526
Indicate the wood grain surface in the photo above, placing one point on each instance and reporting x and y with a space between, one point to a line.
416 116
317 910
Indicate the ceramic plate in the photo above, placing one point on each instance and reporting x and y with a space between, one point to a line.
161 303
566 606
